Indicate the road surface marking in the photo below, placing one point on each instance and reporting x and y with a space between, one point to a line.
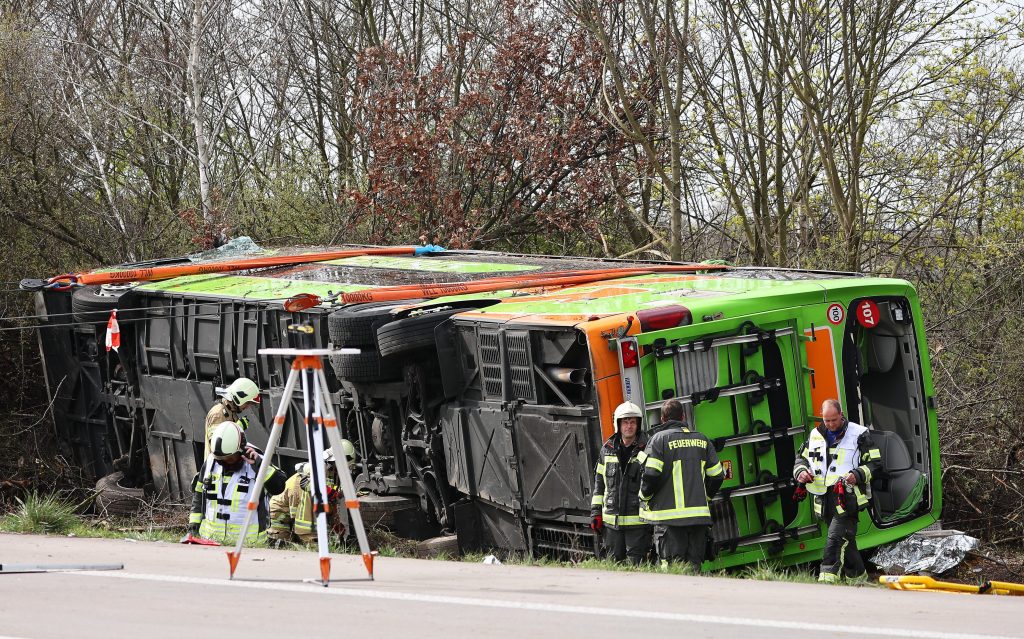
864 631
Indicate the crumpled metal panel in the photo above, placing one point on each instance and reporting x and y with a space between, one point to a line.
925 553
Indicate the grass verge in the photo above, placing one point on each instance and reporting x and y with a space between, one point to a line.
41 514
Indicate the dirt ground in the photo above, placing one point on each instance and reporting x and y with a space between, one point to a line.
989 563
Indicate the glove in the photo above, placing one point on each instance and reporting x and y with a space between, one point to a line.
339 529
333 493
243 422
596 524
250 455
800 493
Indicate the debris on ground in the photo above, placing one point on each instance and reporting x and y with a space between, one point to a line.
933 552
491 559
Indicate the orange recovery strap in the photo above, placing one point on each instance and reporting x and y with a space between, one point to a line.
166 272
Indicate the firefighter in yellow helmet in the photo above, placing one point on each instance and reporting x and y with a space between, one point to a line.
615 506
221 489
291 512
237 397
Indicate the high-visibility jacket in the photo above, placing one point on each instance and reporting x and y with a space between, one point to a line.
853 451
223 411
616 486
681 475
220 498
291 512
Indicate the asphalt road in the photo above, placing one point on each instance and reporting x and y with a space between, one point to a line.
168 590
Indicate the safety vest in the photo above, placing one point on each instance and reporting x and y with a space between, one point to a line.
226 497
831 465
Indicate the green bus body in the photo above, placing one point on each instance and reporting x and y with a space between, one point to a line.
485 412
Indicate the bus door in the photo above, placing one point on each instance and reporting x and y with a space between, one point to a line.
742 388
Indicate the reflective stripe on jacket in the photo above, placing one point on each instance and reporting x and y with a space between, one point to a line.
292 510
219 501
853 452
616 489
681 474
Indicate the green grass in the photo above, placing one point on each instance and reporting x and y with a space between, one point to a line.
769 571
40 514
51 514
104 529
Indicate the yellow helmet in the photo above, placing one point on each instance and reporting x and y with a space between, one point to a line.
227 440
242 391
347 446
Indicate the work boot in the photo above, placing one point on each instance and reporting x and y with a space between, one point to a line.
278 543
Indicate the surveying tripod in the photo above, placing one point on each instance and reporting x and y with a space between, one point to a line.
308 366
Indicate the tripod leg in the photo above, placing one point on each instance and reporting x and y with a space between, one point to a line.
347 487
318 472
261 474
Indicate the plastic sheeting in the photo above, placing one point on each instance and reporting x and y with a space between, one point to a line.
925 553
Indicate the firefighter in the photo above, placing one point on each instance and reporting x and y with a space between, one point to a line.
291 512
615 506
835 465
220 491
681 475
237 397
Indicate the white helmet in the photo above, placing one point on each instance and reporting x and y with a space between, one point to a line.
346 445
243 390
227 440
628 409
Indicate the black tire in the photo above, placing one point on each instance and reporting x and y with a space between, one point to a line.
367 366
357 325
114 499
411 333
93 303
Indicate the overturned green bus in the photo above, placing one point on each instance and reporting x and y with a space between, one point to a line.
482 413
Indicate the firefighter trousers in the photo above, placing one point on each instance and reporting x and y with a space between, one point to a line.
841 557
632 542
681 544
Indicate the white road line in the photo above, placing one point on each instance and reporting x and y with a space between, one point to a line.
333 591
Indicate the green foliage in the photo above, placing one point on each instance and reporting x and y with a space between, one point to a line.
42 514
767 571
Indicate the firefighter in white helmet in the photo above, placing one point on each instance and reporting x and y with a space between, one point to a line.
221 489
615 506
291 513
236 398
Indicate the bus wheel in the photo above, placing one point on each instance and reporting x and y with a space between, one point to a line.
367 366
412 333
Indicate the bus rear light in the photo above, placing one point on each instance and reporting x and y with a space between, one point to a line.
656 319
629 355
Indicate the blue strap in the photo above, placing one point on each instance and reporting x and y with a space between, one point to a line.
429 248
